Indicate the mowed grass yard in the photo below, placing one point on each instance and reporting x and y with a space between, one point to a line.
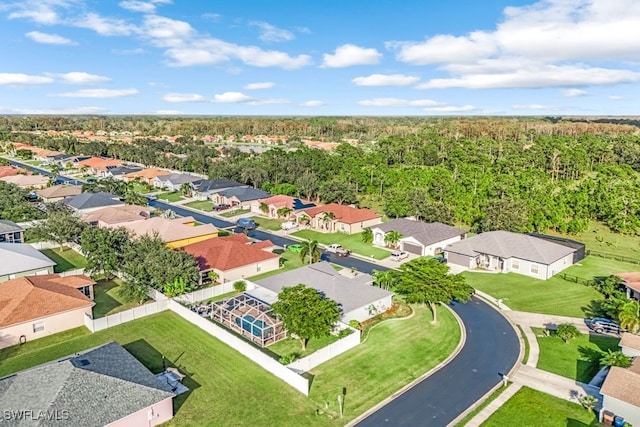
599 238
202 205
531 408
352 242
578 359
66 259
225 387
108 300
268 223
172 196
553 296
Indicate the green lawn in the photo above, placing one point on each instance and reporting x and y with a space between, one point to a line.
268 223
226 388
66 260
395 353
292 346
142 188
234 212
483 405
531 408
593 266
578 359
203 205
599 238
172 196
353 242
107 299
291 261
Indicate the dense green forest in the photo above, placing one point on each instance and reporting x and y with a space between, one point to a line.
514 174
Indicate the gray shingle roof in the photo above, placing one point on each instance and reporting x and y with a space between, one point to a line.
19 257
179 178
351 294
506 244
206 185
244 194
95 388
122 170
92 200
9 227
423 232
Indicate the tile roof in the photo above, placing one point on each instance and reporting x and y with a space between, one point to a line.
10 171
92 200
244 194
95 388
9 226
343 213
226 253
631 280
167 230
98 163
506 244
280 201
147 173
630 340
34 297
19 257
117 214
59 191
622 384
423 232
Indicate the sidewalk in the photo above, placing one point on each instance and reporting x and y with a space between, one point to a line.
555 385
545 320
492 407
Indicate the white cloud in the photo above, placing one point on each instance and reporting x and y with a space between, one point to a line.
615 97
81 78
398 102
386 80
348 55
183 97
47 38
23 79
105 26
312 103
259 85
138 6
99 93
62 111
231 97
166 32
451 109
444 48
535 107
135 51
168 112
572 93
270 101
271 33
38 11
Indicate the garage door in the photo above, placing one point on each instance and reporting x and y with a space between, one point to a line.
414 249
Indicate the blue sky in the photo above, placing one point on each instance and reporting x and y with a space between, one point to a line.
356 57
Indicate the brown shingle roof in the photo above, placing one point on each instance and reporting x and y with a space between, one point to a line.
34 297
169 231
343 213
59 191
226 253
117 214
631 280
630 340
147 173
622 384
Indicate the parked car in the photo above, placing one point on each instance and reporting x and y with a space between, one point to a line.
247 223
338 250
602 325
221 207
289 225
399 255
440 258
294 248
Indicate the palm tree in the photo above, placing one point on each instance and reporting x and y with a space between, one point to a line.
629 315
185 189
392 238
212 275
327 217
385 279
367 235
264 208
311 248
615 358
284 212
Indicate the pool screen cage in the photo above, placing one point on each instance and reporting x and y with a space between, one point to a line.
250 317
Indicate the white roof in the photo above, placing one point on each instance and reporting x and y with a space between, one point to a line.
19 257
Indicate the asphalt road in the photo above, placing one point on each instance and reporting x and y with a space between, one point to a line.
491 349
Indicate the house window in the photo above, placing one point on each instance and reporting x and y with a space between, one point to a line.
38 327
515 264
86 291
534 269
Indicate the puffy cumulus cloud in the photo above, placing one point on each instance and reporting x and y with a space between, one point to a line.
271 33
538 43
105 26
166 32
259 85
39 11
183 97
81 78
536 107
62 111
99 93
47 38
386 80
312 103
572 93
23 79
138 6
398 102
349 55
231 97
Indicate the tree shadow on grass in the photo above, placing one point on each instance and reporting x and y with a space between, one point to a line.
156 362
588 365
594 309
572 422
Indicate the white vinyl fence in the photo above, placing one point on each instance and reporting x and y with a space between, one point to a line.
266 362
95 325
205 293
326 353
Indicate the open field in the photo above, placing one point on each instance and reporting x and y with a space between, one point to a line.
353 242
66 260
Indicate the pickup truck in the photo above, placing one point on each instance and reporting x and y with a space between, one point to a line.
338 250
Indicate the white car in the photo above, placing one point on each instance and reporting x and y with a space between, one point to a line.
289 225
338 250
399 255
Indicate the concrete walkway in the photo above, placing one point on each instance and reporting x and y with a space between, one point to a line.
553 384
492 407
545 320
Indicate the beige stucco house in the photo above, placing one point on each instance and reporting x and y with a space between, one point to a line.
334 218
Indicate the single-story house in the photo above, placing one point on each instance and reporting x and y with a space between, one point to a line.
631 282
11 171
206 187
581 248
145 175
27 181
36 306
630 344
22 259
240 197
504 251
58 192
44 155
60 159
358 299
88 202
118 172
233 257
420 238
104 386
174 181
10 232
97 165
176 233
279 201
116 215
621 393
346 219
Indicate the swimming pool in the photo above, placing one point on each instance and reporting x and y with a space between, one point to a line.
250 324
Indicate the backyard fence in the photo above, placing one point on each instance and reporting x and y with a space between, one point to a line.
576 279
95 325
615 257
263 360
206 293
326 353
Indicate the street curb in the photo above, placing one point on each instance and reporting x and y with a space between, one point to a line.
458 349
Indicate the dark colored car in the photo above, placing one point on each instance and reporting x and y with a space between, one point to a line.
246 223
602 325
221 207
